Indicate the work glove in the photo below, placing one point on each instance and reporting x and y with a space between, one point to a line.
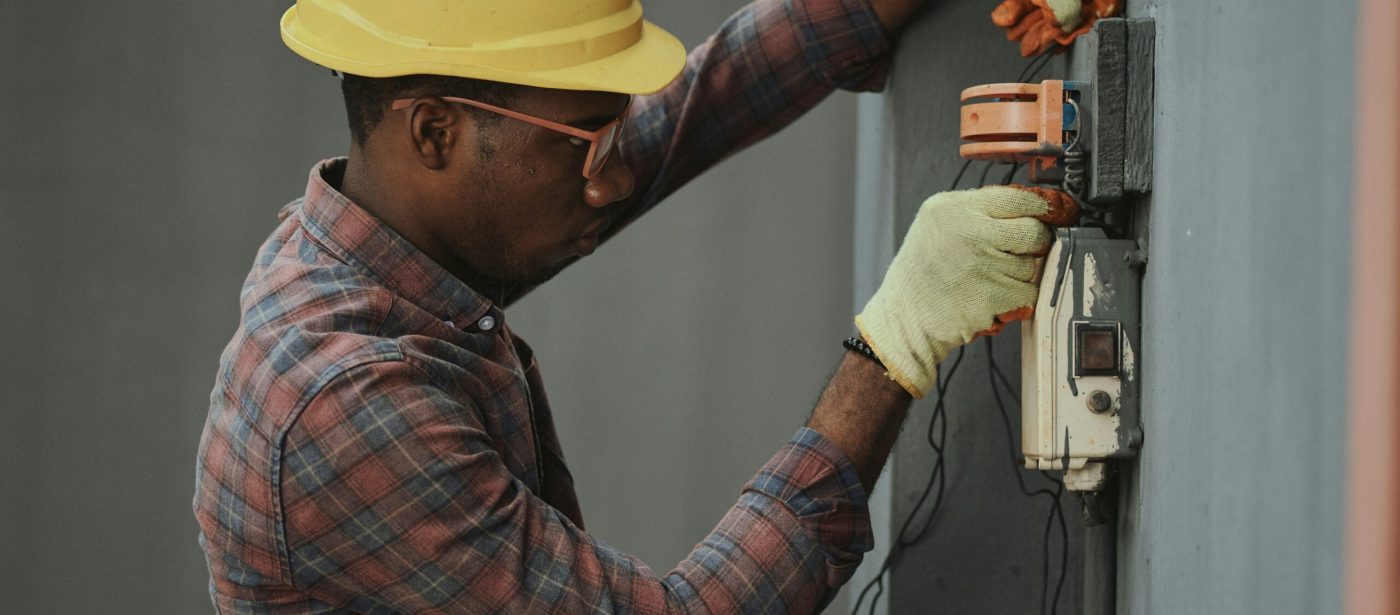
1038 24
967 267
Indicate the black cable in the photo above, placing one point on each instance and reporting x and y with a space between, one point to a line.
1006 423
982 181
993 372
1064 549
961 170
1006 382
937 476
1045 557
1037 64
1011 173
939 412
1010 390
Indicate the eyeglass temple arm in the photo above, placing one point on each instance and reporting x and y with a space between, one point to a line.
592 135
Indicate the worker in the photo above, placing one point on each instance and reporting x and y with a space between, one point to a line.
378 437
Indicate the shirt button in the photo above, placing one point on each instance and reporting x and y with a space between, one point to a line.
486 323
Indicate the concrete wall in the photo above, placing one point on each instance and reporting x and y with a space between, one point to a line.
144 150
1236 503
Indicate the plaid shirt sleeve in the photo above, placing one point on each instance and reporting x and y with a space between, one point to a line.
767 65
395 501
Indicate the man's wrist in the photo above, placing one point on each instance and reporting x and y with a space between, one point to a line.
860 412
876 378
858 345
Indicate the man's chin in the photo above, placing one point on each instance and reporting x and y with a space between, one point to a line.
542 274
553 271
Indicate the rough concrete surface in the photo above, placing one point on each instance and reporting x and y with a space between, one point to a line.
1238 498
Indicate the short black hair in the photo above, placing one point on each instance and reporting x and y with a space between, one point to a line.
368 98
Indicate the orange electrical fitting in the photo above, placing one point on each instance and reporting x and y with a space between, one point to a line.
1021 122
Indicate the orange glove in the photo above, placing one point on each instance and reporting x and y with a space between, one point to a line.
1038 24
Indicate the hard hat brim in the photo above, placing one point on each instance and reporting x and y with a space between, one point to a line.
645 67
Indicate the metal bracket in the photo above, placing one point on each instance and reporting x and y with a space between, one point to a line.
1119 113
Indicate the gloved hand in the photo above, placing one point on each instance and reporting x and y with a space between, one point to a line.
966 267
1041 23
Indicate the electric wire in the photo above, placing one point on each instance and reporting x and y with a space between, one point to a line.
937 477
938 421
1037 63
1011 173
1033 67
961 170
1056 512
995 374
982 181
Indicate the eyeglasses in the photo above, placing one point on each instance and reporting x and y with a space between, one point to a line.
602 140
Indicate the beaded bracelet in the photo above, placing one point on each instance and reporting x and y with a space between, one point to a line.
859 346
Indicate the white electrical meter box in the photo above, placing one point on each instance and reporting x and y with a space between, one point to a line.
1080 359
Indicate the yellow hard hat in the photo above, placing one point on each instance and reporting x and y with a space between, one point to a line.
568 44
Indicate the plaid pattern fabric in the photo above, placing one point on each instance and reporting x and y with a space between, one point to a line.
379 440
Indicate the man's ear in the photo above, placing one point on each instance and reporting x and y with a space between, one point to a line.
435 128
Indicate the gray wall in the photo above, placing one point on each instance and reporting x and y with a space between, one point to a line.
144 150
1236 504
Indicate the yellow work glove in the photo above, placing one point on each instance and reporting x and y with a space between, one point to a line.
968 259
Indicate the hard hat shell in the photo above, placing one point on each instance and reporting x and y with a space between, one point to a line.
568 44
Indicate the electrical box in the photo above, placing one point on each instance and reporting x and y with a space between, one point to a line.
1079 359
1093 140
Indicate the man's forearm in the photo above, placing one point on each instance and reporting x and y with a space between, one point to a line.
861 412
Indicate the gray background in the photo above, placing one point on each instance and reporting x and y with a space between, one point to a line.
144 151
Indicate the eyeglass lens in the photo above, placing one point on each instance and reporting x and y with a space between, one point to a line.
603 149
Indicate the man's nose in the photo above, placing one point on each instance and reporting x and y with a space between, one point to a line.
613 183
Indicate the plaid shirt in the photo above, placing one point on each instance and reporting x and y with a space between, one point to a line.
379 440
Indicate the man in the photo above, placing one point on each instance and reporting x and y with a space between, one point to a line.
379 440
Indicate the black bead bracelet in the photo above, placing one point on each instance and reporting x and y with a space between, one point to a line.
859 346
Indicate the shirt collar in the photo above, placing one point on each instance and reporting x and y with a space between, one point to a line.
365 242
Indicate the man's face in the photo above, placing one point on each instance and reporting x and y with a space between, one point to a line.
511 204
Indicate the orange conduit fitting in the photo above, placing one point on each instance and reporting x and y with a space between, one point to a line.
1022 122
